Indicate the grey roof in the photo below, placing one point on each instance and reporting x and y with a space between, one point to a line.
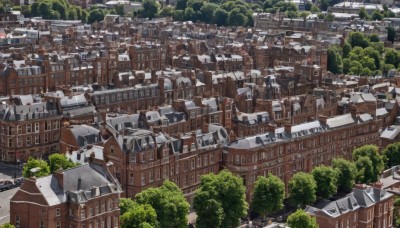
76 181
77 100
381 112
86 135
124 121
368 97
38 110
339 121
390 132
82 156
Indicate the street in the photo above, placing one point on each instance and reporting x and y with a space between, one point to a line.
5 205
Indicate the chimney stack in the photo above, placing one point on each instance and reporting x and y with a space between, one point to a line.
353 111
322 119
288 128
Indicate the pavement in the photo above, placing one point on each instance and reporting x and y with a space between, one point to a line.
5 197
8 171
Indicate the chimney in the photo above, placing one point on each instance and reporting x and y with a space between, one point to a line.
59 175
197 100
79 184
378 185
204 128
353 111
360 186
322 119
288 127
271 127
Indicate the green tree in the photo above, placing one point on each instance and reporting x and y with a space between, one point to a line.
346 49
363 13
356 67
140 216
315 9
7 225
365 72
42 169
390 57
334 60
149 9
268 194
168 202
392 154
236 18
72 15
181 4
57 161
372 152
209 211
228 190
330 17
195 4
179 15
291 14
190 14
221 17
396 211
119 9
302 189
125 204
368 63
376 15
300 219
391 33
346 66
365 170
358 39
207 12
374 38
346 171
326 179
308 6
95 15
167 11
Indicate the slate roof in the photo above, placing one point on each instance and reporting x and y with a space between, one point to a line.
86 135
77 185
390 132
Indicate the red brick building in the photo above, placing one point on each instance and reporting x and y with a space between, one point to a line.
286 150
85 196
364 207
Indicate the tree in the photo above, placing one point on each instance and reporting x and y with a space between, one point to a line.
390 57
300 219
268 194
363 13
346 49
190 14
236 18
207 12
356 67
346 66
221 17
358 39
140 216
167 11
376 15
326 179
391 33
302 189
125 204
7 225
365 171
168 202
181 4
149 9
396 211
58 161
334 60
209 211
392 154
226 189
330 17
119 9
291 14
195 4
346 172
95 15
314 9
42 169
372 152
308 6
374 38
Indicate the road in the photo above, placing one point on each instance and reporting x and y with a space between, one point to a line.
5 205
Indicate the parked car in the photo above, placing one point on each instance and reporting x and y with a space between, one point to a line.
18 181
6 184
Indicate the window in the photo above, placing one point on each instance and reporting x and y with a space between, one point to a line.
112 150
103 207
19 129
151 176
28 128
97 208
58 212
110 207
36 139
36 127
205 160
58 225
17 221
91 212
41 224
143 179
83 214
211 158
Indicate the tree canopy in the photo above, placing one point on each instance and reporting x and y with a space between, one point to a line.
39 168
392 154
300 219
169 203
228 192
302 189
268 194
370 152
140 216
59 161
125 204
347 173
326 180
